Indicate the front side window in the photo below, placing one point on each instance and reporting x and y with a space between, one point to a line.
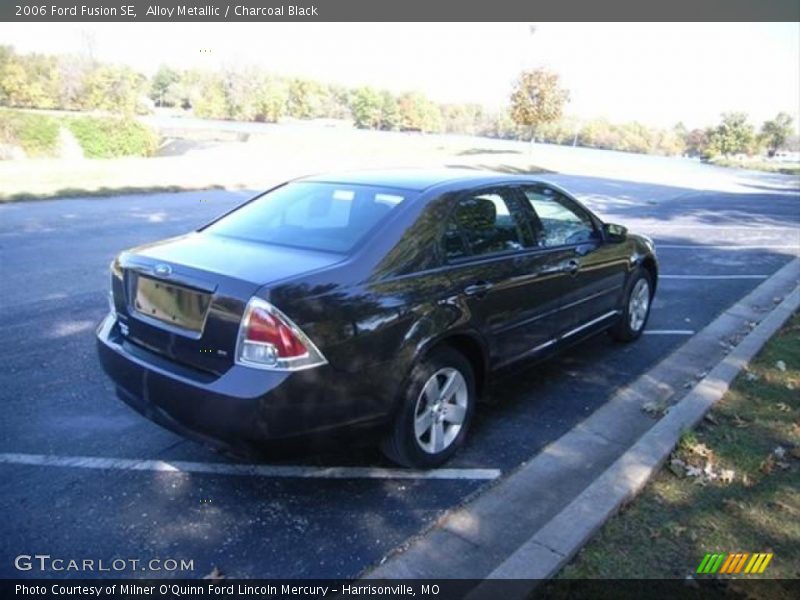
558 221
484 223
318 216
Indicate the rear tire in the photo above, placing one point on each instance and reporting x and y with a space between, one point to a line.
636 307
435 411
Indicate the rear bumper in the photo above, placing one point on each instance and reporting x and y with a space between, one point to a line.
243 407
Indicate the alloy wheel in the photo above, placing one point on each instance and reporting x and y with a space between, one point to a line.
440 410
639 304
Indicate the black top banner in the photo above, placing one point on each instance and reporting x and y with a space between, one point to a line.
399 10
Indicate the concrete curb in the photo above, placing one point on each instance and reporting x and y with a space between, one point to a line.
504 534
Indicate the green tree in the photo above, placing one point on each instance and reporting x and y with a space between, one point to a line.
210 103
696 142
417 113
164 79
305 99
776 132
390 113
366 105
461 118
111 88
241 93
497 125
187 90
28 81
272 98
734 135
537 98
336 102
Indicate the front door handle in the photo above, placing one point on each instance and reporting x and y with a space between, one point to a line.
571 267
477 289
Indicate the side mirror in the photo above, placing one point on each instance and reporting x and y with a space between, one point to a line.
614 232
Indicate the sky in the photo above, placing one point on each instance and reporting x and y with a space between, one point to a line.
655 73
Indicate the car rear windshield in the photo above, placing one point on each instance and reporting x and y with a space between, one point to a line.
319 216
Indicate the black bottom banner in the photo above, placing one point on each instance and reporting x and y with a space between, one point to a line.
443 589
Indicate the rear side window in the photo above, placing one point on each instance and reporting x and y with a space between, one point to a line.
485 223
318 216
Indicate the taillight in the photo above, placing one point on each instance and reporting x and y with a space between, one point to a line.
268 339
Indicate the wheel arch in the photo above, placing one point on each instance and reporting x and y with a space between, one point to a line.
472 348
649 264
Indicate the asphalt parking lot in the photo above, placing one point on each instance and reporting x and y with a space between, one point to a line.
714 247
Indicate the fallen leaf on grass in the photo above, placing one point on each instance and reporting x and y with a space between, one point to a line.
700 449
783 407
750 376
779 452
781 366
767 465
694 471
739 422
727 475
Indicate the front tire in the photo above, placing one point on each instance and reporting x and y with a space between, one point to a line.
435 413
636 310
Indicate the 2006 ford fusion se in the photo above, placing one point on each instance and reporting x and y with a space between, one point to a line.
377 302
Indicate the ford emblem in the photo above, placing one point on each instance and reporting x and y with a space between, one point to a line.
163 270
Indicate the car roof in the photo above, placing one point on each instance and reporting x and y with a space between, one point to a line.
417 179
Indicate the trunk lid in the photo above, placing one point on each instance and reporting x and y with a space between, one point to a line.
184 298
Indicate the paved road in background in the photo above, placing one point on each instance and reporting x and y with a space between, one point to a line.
714 246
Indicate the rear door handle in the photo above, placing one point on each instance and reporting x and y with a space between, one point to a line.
477 289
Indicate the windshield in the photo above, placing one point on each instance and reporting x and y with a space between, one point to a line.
331 217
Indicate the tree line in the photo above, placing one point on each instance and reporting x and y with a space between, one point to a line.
538 100
536 105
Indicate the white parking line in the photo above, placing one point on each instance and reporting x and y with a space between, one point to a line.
668 332
178 466
713 277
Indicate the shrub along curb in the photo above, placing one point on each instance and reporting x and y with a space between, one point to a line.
99 137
